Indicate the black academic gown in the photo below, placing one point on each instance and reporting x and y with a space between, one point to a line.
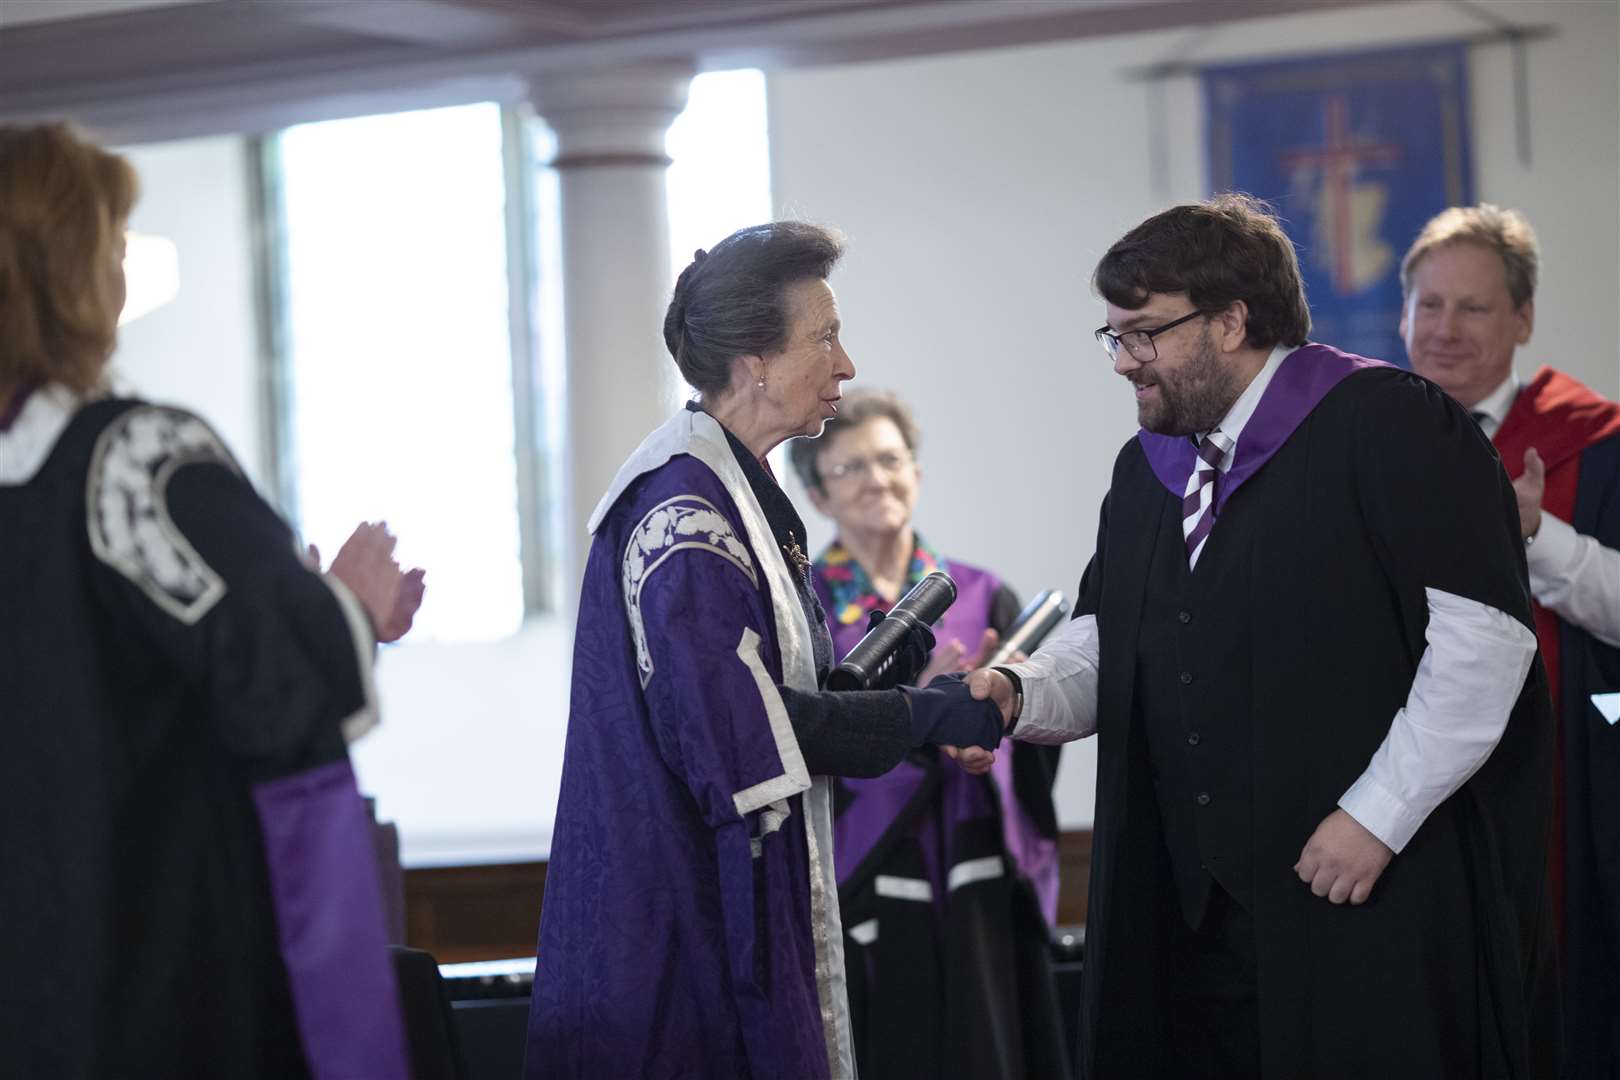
189 885
1386 488
1592 799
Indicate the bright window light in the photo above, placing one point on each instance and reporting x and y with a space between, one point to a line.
399 352
151 275
721 177
492 790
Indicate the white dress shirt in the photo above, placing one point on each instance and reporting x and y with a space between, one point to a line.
1494 408
1571 575
1232 423
1467 682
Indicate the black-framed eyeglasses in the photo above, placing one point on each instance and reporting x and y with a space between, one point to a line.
1139 343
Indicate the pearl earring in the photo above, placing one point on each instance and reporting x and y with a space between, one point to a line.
762 383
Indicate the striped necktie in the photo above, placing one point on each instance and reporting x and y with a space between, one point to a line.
1198 504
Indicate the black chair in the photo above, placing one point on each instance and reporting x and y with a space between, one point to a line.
1068 970
490 1005
435 1050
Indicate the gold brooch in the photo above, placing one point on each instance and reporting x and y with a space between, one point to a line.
796 554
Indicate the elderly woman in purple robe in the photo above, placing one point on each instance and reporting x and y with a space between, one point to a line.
690 924
947 881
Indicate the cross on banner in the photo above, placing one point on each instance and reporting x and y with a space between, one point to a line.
1350 223
1356 152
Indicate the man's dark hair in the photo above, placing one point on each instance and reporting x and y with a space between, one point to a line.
732 300
857 408
1229 248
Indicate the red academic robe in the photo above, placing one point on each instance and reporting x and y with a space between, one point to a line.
1577 434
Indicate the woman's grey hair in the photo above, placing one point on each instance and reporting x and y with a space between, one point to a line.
732 300
857 408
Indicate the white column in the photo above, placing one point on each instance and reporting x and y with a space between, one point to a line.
610 160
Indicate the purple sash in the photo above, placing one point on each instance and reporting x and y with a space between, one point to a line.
329 917
1302 380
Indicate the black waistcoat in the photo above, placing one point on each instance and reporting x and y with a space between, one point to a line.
1192 702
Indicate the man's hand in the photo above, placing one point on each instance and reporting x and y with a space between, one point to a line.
1342 860
975 760
365 564
1529 488
992 684
985 683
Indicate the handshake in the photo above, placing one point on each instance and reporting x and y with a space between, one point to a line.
965 714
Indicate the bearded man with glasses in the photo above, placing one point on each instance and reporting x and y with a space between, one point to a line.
1305 645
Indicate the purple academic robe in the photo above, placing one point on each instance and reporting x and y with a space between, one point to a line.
690 924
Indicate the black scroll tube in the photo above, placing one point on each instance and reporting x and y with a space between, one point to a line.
921 606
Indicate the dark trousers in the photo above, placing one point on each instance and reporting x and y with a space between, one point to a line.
1213 999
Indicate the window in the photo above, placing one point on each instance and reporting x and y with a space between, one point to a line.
397 351
720 179
409 381
409 385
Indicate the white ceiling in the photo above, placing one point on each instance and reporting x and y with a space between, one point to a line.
142 70
21 12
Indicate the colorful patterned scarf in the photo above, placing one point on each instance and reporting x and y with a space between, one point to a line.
851 590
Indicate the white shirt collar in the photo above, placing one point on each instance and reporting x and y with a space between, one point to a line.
1494 408
1243 408
28 442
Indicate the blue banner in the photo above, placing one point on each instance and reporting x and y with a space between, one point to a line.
1356 152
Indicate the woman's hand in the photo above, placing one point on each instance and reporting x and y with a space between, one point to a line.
412 587
365 564
948 658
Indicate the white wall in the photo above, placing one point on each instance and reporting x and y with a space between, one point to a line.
200 350
468 761
979 190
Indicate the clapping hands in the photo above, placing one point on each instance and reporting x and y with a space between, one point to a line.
365 565
948 657
1529 489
